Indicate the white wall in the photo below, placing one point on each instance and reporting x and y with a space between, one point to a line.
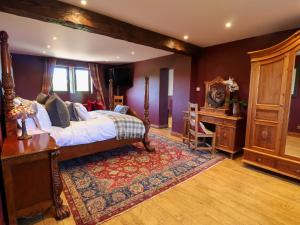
171 80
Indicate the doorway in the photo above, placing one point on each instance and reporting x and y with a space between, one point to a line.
170 96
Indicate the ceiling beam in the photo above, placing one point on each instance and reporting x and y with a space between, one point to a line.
78 18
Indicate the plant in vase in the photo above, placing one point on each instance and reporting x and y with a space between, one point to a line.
233 88
22 112
236 105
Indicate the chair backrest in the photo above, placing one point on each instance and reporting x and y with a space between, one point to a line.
118 100
193 117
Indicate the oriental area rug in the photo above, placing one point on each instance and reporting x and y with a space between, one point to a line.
101 186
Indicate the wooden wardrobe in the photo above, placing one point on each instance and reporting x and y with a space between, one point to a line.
271 143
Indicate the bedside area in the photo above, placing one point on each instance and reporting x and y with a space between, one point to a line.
31 177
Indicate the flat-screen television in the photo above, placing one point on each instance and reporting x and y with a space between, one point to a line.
121 76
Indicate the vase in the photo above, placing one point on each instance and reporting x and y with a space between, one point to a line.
236 109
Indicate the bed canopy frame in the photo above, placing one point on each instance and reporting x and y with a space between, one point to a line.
13 152
9 125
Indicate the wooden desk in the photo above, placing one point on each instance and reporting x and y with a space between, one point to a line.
230 130
31 177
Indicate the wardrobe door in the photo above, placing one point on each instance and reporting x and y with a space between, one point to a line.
268 88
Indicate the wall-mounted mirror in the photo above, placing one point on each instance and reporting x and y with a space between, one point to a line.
292 147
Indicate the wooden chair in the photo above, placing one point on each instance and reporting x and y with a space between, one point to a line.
197 132
118 100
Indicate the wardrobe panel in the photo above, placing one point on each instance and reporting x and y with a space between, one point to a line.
270 81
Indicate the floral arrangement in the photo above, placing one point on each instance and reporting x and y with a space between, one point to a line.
21 112
231 85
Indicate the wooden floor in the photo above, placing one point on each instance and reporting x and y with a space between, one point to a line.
228 193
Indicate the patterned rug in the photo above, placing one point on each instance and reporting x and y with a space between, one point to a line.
100 186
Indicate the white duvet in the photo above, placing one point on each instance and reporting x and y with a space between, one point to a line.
98 128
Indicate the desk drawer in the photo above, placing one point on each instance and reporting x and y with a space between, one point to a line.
288 167
229 122
209 119
259 159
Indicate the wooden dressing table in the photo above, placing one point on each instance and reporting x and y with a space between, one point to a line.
230 130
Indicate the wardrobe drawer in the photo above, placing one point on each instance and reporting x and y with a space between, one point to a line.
288 167
259 159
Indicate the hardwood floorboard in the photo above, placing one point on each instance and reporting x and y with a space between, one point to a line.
229 193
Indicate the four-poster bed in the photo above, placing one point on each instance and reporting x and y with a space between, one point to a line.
30 167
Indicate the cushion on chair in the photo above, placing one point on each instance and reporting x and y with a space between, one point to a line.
58 111
121 109
203 129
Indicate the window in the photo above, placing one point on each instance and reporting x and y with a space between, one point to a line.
82 80
72 80
60 79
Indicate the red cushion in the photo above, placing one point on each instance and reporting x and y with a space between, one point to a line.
90 105
99 106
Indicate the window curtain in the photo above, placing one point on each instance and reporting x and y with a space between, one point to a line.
50 64
96 74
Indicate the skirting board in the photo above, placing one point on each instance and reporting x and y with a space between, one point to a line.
159 126
176 134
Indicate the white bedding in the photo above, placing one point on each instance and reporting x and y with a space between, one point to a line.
98 128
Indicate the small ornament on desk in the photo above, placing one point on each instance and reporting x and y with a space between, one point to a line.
22 112
233 88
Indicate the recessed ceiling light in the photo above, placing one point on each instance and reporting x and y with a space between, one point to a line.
228 24
117 57
185 37
48 46
54 38
44 52
132 53
83 2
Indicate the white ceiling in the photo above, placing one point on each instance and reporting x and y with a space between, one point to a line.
28 36
203 20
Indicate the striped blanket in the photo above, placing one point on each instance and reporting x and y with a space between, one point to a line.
127 126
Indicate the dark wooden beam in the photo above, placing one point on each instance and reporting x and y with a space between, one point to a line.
71 16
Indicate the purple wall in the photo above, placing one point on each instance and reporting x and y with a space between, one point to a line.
163 96
182 73
230 59
29 70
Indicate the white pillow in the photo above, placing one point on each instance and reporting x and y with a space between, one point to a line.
41 117
29 122
82 111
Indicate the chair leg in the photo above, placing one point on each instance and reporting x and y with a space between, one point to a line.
213 146
189 140
196 143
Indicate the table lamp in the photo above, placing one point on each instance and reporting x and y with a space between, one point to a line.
22 112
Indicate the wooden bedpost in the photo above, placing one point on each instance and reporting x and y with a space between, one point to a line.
7 83
111 95
146 119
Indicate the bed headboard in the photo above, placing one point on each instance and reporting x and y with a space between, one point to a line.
7 88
